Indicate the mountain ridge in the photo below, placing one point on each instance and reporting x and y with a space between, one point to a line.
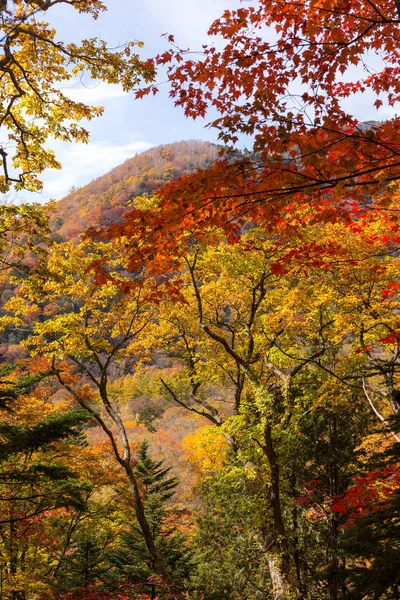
106 199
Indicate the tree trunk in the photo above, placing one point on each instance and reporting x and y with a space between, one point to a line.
334 491
281 589
273 461
125 460
301 595
279 561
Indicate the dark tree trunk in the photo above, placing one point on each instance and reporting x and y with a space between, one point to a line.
279 559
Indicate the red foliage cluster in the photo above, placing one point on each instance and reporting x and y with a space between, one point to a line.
281 77
368 493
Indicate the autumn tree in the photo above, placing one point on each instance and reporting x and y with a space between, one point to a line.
227 294
299 340
95 321
34 64
303 343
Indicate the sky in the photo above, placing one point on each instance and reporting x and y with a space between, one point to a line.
128 125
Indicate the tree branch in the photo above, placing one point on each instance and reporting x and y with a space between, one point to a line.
378 414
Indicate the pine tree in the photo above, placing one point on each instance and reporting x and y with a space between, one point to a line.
131 559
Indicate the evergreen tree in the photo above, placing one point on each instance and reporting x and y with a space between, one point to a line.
12 387
35 477
86 564
26 450
131 559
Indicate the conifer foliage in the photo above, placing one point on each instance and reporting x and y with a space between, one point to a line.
131 558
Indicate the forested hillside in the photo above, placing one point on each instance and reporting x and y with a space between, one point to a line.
105 200
200 350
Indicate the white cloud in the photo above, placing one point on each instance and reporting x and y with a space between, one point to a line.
82 163
92 93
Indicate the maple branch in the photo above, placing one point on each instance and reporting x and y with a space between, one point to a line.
339 46
34 514
84 369
250 199
255 305
20 498
376 9
59 46
314 359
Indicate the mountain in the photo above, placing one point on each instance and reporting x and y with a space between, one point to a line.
106 199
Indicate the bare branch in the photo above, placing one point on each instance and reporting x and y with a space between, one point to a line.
212 415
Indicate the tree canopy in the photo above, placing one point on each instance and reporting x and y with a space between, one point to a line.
238 322
33 65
